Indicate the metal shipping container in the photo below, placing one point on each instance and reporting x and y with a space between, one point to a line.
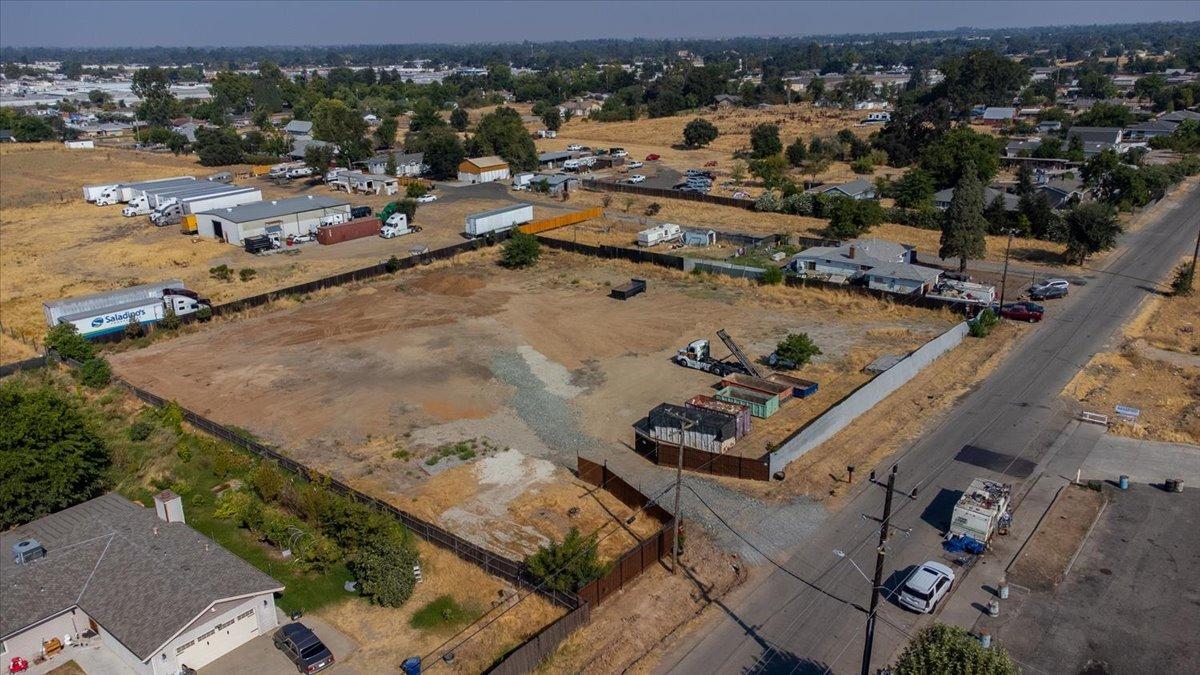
498 220
741 413
353 229
801 388
710 431
760 404
783 391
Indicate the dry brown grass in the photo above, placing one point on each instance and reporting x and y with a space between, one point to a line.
1044 560
15 350
385 637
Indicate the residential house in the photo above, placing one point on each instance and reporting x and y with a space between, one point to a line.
871 104
1147 130
188 130
997 116
410 164
1062 192
726 101
483 170
878 117
135 583
299 130
849 259
1049 126
1097 139
300 147
1179 116
942 198
902 278
1017 146
859 188
580 107
1042 73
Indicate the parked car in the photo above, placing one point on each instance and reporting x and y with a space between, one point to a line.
574 147
1050 288
617 152
302 238
427 198
652 157
303 647
1023 311
635 178
634 165
741 195
926 586
360 211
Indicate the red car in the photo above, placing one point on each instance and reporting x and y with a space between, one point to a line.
652 157
1022 311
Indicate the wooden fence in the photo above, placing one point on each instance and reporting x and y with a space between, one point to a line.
668 193
547 224
526 657
702 461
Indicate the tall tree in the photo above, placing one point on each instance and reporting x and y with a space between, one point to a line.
459 119
950 650
699 133
946 158
442 147
385 133
797 152
337 123
1091 227
964 227
552 118
502 133
153 87
764 141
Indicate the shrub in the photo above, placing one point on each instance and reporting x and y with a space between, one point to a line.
797 349
95 373
653 209
133 328
567 565
441 613
768 202
140 430
520 250
234 505
1184 278
982 325
246 274
220 273
267 481
798 204
204 313
385 571
951 650
862 165
771 276
226 462
66 340
392 265
319 554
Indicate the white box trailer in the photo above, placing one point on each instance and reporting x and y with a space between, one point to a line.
656 235
127 191
149 200
109 312
498 220
173 211
92 192
979 511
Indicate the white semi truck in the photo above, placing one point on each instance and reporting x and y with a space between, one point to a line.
102 313
123 192
396 226
497 220
173 211
147 201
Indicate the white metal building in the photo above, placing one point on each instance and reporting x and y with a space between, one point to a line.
285 217
483 170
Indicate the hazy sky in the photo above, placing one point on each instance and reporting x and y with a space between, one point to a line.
102 23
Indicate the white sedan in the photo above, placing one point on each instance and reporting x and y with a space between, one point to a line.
574 147
635 178
635 165
426 198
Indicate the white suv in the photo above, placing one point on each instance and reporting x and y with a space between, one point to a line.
635 178
926 586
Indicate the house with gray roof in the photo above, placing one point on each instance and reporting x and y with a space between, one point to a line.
994 115
299 130
942 198
859 188
1097 139
137 583
410 164
849 259
902 278
300 147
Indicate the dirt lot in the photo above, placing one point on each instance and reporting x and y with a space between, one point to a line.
1156 368
56 245
1045 557
385 637
541 361
664 136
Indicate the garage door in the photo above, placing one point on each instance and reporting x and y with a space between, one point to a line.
217 641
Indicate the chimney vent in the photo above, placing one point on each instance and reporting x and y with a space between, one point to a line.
169 507
853 251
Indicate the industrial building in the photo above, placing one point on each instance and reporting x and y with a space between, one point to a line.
483 170
279 218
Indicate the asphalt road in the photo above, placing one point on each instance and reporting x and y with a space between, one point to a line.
804 619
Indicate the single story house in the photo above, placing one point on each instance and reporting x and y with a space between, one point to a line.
483 170
1097 139
410 164
367 183
902 278
1147 130
1179 116
299 130
849 259
1049 126
137 583
300 147
279 218
942 198
996 116
551 159
1062 192
727 101
859 188
580 107
1017 146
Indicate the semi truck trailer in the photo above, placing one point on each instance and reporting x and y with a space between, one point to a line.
497 220
123 192
109 312
172 212
149 200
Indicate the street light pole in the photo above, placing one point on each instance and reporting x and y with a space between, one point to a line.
684 425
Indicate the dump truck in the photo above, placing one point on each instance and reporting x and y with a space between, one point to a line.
698 355
981 511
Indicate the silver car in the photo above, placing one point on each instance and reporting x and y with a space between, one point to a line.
926 586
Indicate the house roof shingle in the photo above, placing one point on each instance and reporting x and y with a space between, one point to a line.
141 578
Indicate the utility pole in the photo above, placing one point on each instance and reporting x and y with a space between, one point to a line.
1195 255
884 530
684 425
1004 277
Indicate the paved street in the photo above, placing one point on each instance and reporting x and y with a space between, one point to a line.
1004 429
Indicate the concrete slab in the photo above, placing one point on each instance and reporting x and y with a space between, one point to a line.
1146 462
259 656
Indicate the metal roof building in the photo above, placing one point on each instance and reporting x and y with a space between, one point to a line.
282 217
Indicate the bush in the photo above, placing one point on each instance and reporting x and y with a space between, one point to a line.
220 273
520 250
385 571
267 481
797 349
849 218
68 343
862 165
392 265
798 204
204 313
1183 282
170 320
653 209
441 613
772 276
134 329
226 462
699 133
951 650
95 373
140 430
768 202
982 325
247 273
567 565
235 506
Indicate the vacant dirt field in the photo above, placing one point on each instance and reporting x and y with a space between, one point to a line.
1156 368
1044 559
374 386
55 245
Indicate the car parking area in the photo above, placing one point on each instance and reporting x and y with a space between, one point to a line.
259 656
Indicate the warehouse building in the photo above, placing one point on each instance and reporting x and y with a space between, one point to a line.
280 218
483 170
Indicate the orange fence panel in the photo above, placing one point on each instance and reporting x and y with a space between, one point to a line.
556 222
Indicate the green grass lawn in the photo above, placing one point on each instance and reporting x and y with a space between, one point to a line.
443 613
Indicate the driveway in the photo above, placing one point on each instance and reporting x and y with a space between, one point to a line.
260 657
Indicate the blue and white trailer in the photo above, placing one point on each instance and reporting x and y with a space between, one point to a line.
111 311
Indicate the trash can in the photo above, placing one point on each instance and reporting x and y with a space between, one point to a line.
1123 482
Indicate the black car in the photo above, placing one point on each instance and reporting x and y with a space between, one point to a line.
1047 292
303 647
360 211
